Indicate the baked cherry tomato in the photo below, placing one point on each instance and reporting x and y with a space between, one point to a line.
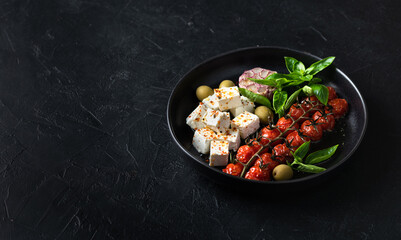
338 107
326 120
256 173
294 140
245 153
311 102
281 153
284 123
256 145
262 169
234 169
312 130
332 93
267 134
296 111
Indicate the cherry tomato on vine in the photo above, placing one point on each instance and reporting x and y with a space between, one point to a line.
311 102
245 153
326 120
234 169
338 107
282 153
262 169
256 145
312 130
267 134
332 93
294 140
284 123
296 111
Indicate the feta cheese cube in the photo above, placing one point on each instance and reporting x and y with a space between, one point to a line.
216 120
247 123
228 98
202 138
211 102
232 135
194 120
218 153
246 105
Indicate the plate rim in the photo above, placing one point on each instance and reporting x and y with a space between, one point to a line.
287 182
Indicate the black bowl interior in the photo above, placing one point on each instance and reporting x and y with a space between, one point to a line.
348 131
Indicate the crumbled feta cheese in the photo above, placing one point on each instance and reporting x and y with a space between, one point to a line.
202 138
247 123
211 102
246 105
227 98
218 153
194 120
216 120
232 135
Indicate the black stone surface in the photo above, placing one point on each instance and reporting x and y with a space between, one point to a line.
85 151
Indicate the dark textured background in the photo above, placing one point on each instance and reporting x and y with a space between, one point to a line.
85 150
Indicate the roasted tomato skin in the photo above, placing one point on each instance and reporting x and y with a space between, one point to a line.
296 111
256 173
284 123
282 153
313 131
256 145
234 169
332 93
326 120
267 134
311 102
264 173
245 153
338 106
295 140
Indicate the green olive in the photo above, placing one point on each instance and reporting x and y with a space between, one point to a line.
226 83
282 172
203 92
265 114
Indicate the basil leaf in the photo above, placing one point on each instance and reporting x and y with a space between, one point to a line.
315 80
319 65
307 90
290 76
309 168
306 78
302 150
268 82
299 67
279 99
254 97
294 83
321 155
282 81
292 99
290 63
275 76
321 92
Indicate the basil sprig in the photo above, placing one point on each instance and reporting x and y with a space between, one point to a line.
311 159
298 77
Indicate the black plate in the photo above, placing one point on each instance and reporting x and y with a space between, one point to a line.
348 132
